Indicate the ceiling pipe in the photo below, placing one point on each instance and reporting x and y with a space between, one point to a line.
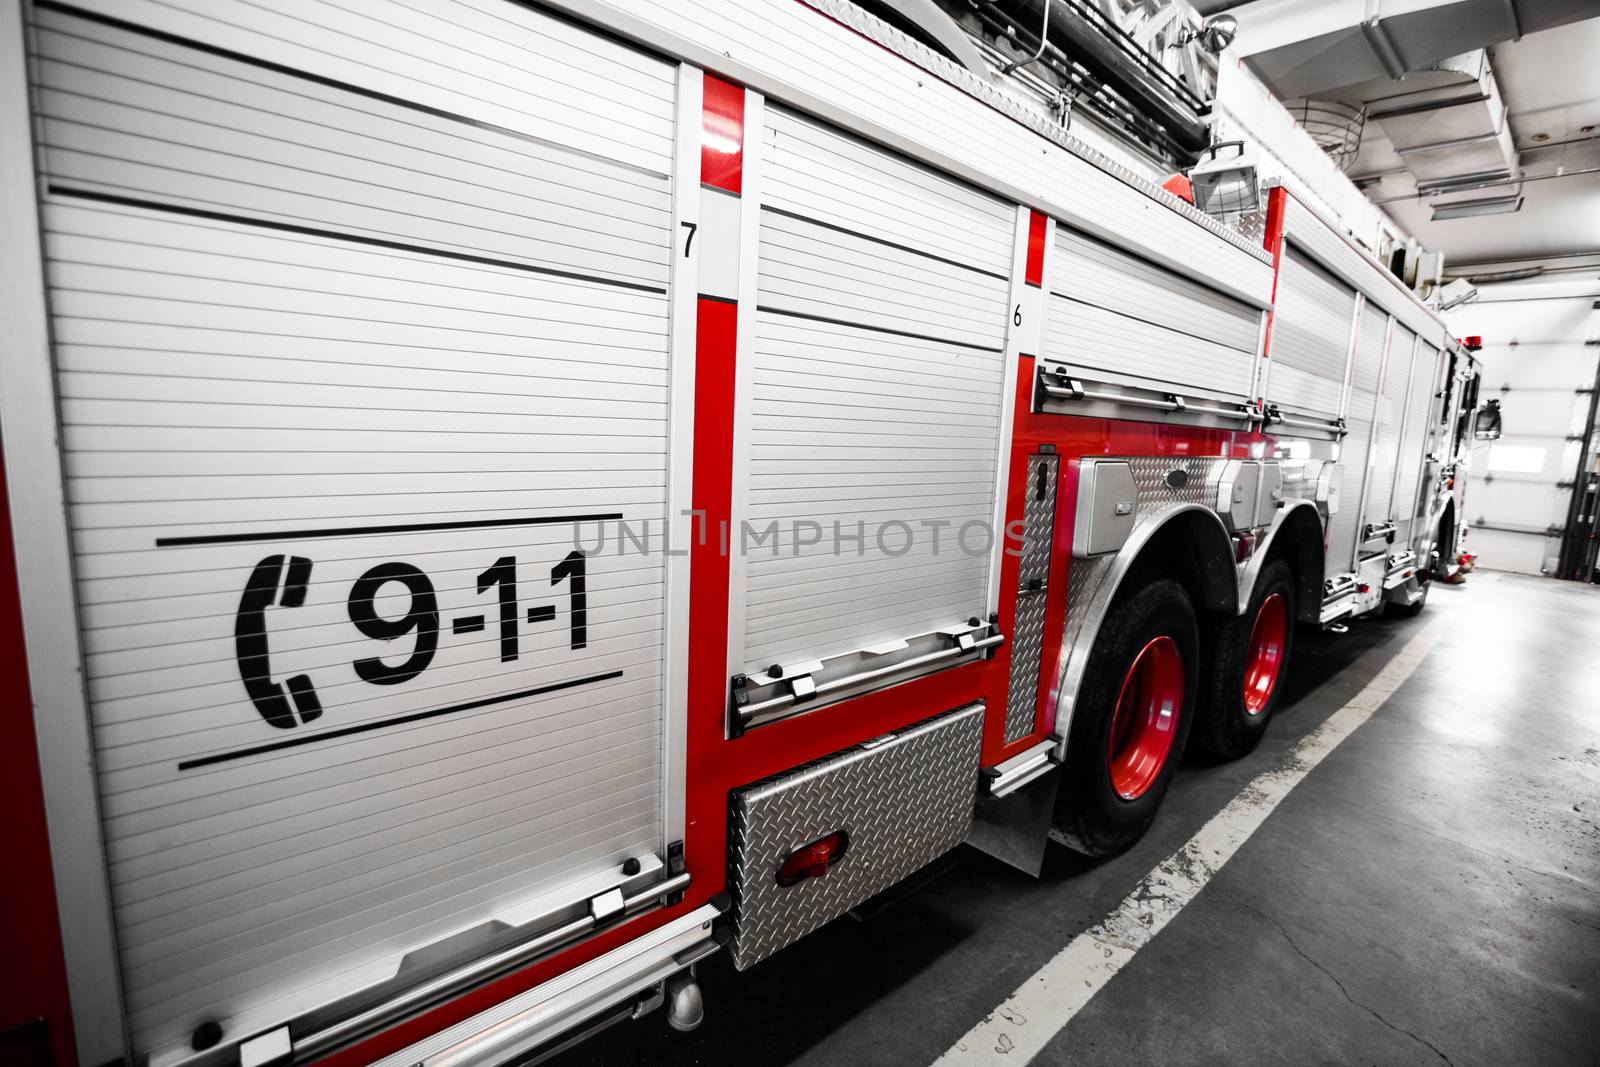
1110 55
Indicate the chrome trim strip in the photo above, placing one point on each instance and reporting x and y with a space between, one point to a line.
419 997
46 587
555 1008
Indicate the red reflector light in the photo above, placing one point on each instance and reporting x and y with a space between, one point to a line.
1363 588
813 860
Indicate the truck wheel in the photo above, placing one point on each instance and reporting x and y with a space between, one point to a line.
1248 660
1130 720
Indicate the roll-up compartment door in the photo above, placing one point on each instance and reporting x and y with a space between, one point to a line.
1114 317
1353 449
1419 417
1387 428
1312 316
875 398
352 367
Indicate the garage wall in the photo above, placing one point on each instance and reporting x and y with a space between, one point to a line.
1536 362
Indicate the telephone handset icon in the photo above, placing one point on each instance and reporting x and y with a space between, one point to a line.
250 642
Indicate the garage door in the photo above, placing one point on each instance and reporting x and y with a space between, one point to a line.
1519 493
1312 317
875 399
341 328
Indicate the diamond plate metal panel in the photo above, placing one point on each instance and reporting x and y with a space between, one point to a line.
903 802
1150 478
1033 579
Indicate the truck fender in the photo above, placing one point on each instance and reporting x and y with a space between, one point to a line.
1208 537
1308 565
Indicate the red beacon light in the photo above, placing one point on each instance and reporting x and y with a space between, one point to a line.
1472 343
813 860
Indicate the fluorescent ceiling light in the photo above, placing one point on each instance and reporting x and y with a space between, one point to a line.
1468 209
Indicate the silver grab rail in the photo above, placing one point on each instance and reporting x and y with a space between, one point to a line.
1074 390
749 711
1336 427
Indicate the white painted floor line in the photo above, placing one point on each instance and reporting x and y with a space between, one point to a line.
1019 1028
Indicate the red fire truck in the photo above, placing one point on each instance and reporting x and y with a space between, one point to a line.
508 499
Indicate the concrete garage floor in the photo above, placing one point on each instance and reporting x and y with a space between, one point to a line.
1430 893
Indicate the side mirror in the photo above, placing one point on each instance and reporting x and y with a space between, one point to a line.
1488 425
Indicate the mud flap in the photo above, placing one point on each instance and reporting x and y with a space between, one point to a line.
1015 828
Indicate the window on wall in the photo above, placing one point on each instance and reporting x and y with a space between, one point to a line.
1516 459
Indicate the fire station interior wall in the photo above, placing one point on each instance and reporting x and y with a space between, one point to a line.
1310 345
876 395
342 382
1111 313
1535 362
1354 449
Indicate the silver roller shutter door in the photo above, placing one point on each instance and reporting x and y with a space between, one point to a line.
1419 412
1310 338
1386 436
875 393
1353 450
326 359
1115 317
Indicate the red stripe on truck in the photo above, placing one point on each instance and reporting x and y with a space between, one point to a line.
1033 272
35 987
722 135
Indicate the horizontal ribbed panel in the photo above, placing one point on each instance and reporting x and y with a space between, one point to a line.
1354 449
1114 317
848 427
1311 334
1107 346
832 178
875 391
1093 272
821 273
297 321
1386 436
1424 374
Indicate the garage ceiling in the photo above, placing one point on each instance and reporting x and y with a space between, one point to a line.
1523 128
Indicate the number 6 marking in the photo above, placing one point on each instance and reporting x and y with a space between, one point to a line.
1016 320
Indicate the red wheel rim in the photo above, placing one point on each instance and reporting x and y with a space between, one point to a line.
1268 636
1146 720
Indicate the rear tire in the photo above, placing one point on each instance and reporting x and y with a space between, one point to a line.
1131 719
1247 659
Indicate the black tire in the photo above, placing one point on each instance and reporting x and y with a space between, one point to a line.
1092 816
1226 723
